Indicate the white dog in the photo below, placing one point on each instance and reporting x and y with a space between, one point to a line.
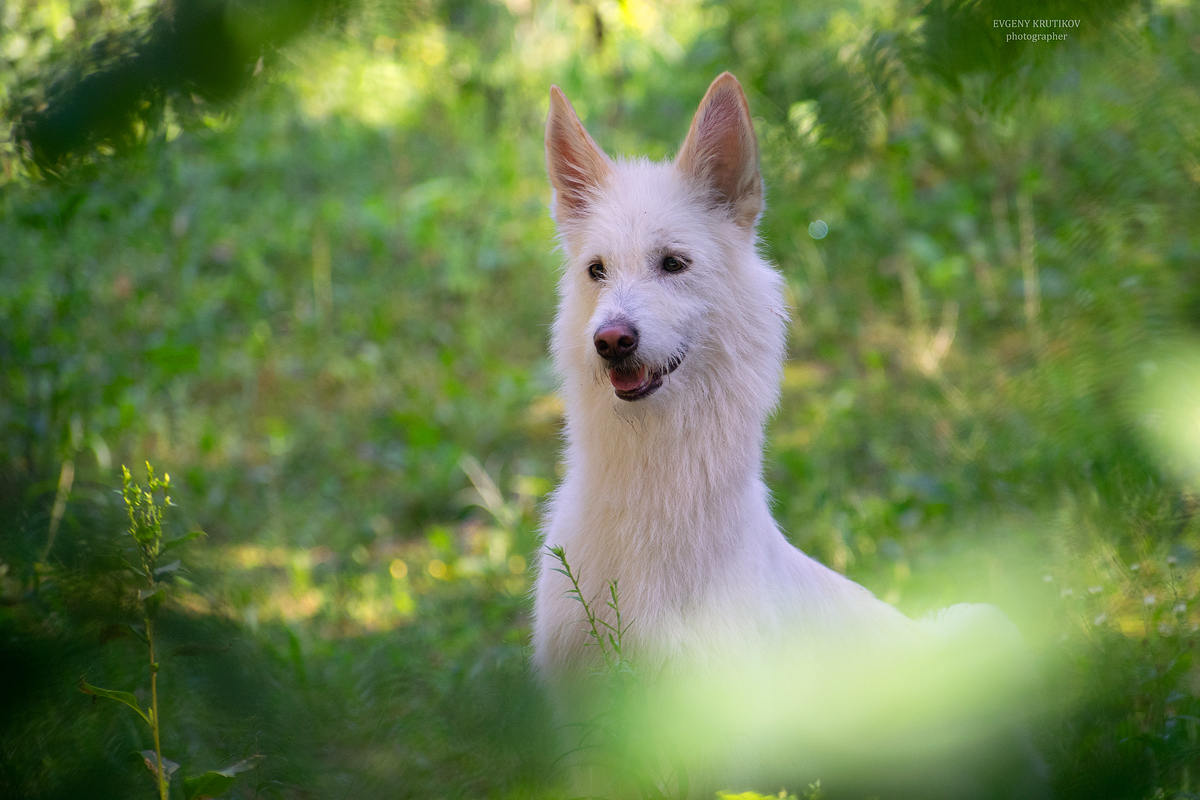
669 343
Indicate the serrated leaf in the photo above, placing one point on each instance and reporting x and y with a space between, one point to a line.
150 759
121 697
172 567
216 781
187 537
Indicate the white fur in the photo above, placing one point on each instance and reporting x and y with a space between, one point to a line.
665 494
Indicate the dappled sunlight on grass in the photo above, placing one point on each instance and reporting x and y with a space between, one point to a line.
302 585
375 589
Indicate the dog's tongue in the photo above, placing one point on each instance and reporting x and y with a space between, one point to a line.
625 381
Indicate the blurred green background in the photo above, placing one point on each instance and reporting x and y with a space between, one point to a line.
316 289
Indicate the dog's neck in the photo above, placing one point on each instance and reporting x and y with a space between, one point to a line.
663 500
633 450
672 478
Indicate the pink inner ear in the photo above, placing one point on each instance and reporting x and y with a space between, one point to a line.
721 151
571 164
576 164
723 138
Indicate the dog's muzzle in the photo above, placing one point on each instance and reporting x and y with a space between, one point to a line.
634 381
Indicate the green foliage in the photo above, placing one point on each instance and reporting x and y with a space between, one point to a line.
967 43
810 792
121 697
145 511
145 514
216 782
164 63
316 301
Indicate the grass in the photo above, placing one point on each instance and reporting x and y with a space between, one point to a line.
323 308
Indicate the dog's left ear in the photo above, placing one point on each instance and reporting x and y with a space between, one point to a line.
721 151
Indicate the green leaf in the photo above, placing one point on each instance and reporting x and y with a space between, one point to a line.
153 598
172 567
216 781
123 697
150 759
187 537
208 785
125 564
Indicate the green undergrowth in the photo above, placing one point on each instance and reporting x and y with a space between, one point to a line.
323 307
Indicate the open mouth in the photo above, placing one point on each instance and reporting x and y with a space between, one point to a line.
635 381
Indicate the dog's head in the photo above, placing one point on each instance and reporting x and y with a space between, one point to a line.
663 287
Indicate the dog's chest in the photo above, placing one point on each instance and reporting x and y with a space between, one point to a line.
685 583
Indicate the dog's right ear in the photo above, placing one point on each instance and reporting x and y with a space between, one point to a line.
576 164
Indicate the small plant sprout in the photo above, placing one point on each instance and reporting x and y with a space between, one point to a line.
652 767
146 512
608 637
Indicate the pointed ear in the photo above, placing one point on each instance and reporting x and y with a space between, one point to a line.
721 151
576 164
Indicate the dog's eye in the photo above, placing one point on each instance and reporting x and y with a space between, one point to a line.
596 271
673 264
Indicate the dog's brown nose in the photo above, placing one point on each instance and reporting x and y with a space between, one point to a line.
615 340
